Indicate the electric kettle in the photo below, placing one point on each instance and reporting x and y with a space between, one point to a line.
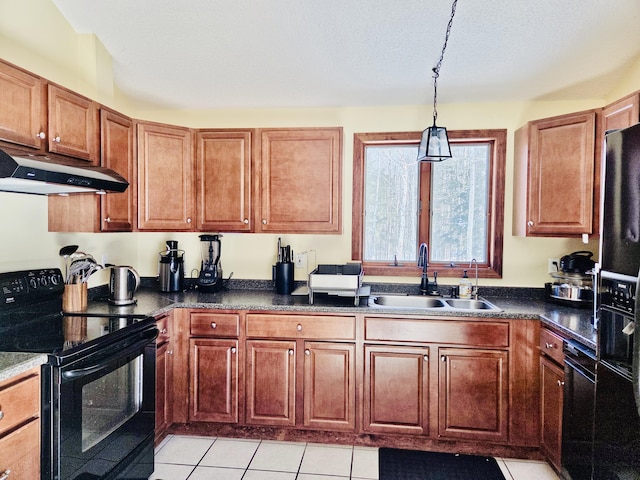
123 283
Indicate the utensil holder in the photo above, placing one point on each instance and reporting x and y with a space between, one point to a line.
74 298
283 276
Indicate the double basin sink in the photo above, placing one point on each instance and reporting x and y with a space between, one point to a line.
418 302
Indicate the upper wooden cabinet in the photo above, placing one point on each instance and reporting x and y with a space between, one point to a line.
622 113
555 176
299 188
73 124
117 141
113 212
23 116
223 185
165 177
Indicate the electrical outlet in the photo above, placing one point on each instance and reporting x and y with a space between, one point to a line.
301 260
553 265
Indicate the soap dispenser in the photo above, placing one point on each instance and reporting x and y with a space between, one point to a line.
465 286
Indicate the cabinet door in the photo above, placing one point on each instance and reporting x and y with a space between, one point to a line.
300 181
473 394
116 153
271 384
551 398
23 113
621 114
73 124
329 385
214 380
165 178
224 180
20 452
163 388
561 175
396 393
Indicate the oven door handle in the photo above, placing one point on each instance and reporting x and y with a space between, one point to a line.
139 343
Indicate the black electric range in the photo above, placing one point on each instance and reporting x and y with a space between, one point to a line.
98 385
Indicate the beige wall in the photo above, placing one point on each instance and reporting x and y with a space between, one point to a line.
81 63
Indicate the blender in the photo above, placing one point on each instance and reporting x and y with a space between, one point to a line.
210 278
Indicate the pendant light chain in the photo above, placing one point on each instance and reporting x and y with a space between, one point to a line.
436 69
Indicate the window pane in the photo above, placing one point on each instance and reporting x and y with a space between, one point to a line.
459 203
391 203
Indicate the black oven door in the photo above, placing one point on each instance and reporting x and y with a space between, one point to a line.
103 423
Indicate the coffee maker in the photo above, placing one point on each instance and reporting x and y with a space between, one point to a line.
171 268
210 278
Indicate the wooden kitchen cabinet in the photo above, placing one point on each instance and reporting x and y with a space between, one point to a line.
113 212
299 373
299 181
164 377
73 124
224 179
622 113
551 395
23 113
166 188
214 353
20 426
556 163
396 389
473 394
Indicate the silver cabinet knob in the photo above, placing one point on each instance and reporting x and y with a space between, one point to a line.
548 345
189 220
163 331
443 358
169 352
56 139
214 325
246 221
264 221
530 223
233 349
5 475
299 328
307 352
425 358
108 219
290 351
560 383
1 414
41 135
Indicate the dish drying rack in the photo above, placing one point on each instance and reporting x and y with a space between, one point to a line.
340 280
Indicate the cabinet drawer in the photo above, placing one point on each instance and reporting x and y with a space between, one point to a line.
20 452
19 401
301 326
551 345
474 332
214 324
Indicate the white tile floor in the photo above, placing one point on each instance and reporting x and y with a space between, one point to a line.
208 458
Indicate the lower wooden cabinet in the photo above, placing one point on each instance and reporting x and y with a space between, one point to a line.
396 389
20 426
551 400
473 394
271 382
213 385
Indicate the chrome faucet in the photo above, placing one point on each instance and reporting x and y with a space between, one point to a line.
423 261
475 290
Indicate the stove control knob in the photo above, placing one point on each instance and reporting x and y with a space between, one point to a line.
33 283
54 279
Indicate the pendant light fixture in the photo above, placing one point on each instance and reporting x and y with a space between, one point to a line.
434 145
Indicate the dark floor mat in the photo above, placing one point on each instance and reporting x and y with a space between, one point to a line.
395 464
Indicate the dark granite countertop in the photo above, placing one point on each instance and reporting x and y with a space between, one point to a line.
574 323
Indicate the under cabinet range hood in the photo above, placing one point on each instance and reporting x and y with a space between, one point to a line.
46 175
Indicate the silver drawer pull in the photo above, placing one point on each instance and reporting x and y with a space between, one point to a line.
560 383
213 325
299 328
1 417
549 345
5 474
169 352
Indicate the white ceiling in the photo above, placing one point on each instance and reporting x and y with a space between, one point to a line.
314 53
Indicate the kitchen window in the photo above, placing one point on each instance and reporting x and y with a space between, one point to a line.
456 206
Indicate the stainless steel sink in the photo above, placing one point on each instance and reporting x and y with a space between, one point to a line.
407 301
418 302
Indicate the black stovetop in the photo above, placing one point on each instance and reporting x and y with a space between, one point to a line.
31 317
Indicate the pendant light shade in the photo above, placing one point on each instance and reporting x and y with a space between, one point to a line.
434 145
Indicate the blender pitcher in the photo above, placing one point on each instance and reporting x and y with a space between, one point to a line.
210 278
